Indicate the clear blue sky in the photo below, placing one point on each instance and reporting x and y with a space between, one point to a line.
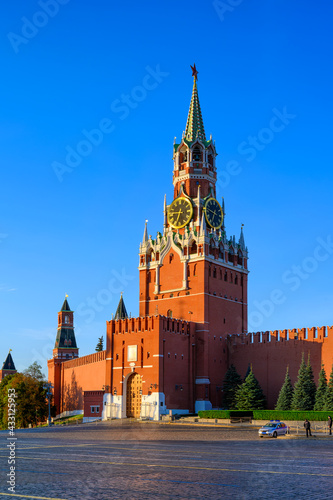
67 71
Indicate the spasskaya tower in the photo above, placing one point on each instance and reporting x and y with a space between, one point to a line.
192 270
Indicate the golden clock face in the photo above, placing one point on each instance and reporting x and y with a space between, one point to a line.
180 212
213 213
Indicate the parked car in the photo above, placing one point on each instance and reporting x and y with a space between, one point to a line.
274 428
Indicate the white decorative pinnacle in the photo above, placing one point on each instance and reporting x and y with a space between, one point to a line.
242 239
199 203
165 213
145 233
202 225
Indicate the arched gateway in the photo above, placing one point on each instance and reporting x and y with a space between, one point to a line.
133 396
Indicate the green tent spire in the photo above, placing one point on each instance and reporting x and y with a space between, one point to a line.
194 126
9 363
65 306
121 312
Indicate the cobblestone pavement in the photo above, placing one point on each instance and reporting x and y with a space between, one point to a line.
135 461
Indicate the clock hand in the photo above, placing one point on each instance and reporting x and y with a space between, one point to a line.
211 211
180 211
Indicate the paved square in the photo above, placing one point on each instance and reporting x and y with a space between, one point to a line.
170 461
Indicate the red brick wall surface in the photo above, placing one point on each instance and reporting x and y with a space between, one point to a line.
271 352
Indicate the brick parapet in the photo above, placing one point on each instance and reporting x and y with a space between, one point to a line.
313 334
148 324
96 357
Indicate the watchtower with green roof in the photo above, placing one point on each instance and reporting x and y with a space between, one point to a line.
65 345
8 367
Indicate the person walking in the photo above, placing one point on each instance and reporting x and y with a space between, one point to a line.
307 426
330 424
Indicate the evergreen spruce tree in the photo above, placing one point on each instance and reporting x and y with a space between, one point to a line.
321 391
249 395
285 394
249 368
304 389
310 385
100 343
329 394
231 382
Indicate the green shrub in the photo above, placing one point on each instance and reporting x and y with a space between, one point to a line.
266 414
224 413
214 414
290 415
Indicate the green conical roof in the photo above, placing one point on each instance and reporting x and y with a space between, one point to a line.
9 363
194 126
65 306
65 338
121 312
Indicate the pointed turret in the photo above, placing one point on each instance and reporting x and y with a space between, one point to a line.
121 312
242 239
9 363
194 125
8 367
65 306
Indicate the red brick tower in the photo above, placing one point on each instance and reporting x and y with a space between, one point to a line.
65 344
64 349
192 271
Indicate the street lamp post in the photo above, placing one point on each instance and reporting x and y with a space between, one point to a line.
48 386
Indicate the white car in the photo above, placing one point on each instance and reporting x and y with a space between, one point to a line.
274 428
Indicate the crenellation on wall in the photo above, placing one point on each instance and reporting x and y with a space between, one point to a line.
148 324
96 357
313 334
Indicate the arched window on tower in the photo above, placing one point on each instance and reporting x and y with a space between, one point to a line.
169 313
197 154
210 159
66 319
194 248
182 159
239 259
226 276
236 280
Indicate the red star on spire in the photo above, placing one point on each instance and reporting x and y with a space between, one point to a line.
194 72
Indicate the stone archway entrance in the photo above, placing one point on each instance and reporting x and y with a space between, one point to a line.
134 396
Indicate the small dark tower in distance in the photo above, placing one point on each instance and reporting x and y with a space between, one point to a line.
65 345
8 367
